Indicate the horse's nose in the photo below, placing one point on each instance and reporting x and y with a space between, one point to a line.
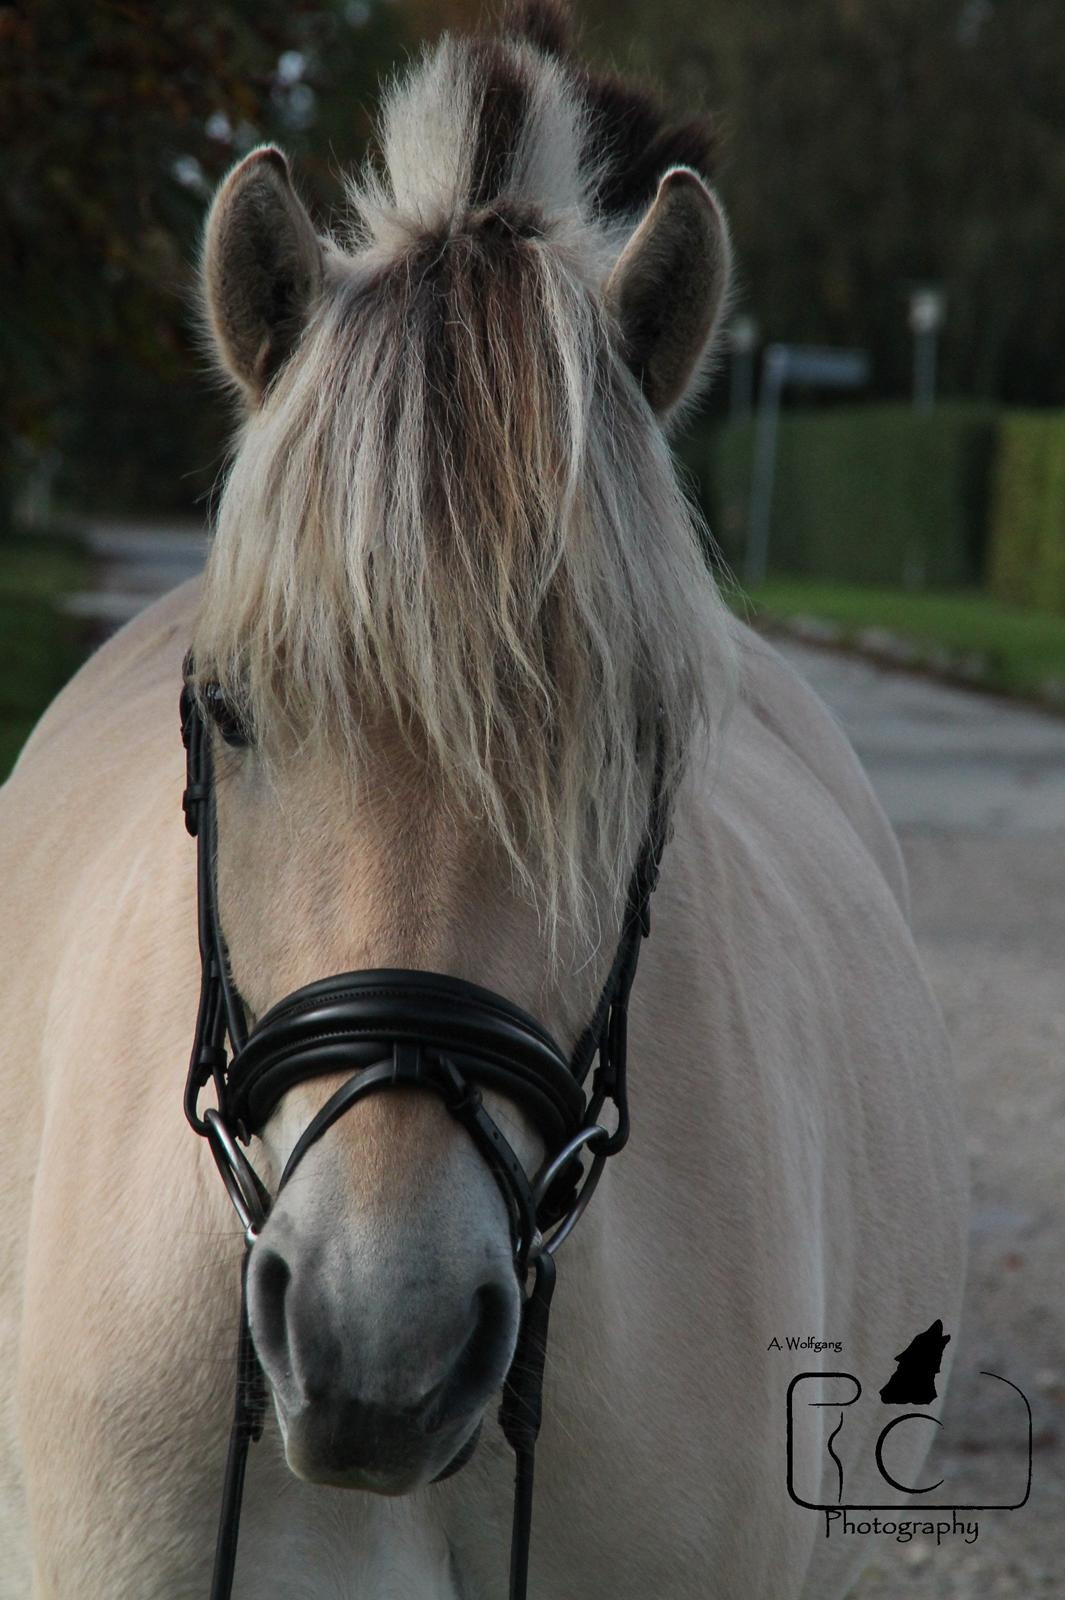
373 1384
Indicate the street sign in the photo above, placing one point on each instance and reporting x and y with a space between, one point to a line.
821 365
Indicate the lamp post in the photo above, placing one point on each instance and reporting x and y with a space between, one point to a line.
816 366
928 307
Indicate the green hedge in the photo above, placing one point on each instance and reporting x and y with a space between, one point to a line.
974 638
1026 563
863 494
40 646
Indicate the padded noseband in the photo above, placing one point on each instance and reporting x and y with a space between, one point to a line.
351 1021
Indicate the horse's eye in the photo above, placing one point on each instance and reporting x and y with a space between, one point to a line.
226 718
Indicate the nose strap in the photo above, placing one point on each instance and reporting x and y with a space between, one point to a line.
424 1069
356 1019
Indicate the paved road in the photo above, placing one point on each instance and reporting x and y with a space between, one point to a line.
941 757
976 790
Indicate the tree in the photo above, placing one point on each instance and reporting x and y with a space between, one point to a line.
871 145
118 117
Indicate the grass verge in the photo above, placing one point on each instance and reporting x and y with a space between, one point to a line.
962 635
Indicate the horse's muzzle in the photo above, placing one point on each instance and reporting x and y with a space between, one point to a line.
365 1406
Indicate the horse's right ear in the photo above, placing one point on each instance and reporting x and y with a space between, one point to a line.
668 288
262 269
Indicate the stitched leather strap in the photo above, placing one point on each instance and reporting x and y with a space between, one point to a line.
355 1018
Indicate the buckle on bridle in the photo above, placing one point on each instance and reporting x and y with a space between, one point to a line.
590 1136
197 790
250 1200
464 1099
193 797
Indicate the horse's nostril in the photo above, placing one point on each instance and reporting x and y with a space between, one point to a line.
272 1278
351 1362
481 1363
490 1305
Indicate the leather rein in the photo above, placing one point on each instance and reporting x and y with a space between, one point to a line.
390 1027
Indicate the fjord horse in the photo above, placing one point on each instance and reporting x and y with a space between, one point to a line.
452 578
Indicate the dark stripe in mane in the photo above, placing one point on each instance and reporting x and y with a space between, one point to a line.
629 130
630 138
545 23
504 107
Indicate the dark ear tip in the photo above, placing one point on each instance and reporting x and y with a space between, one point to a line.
267 155
678 177
689 197
266 164
683 181
271 153
685 185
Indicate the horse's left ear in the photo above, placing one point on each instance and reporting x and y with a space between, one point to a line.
262 268
668 287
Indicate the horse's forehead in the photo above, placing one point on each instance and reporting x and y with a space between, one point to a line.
317 876
377 836
321 794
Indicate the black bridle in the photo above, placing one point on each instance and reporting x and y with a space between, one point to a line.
422 1029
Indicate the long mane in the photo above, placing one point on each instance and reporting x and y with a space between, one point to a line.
455 507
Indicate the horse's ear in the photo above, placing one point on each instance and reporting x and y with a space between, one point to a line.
262 268
668 287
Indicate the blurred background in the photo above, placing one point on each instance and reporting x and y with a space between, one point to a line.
881 461
895 175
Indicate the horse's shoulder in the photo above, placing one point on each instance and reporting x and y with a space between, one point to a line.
103 752
794 715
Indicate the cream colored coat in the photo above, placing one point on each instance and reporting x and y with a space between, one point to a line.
796 1168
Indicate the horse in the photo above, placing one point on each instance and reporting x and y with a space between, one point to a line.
454 582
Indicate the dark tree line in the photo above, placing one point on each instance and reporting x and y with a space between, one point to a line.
868 146
117 118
